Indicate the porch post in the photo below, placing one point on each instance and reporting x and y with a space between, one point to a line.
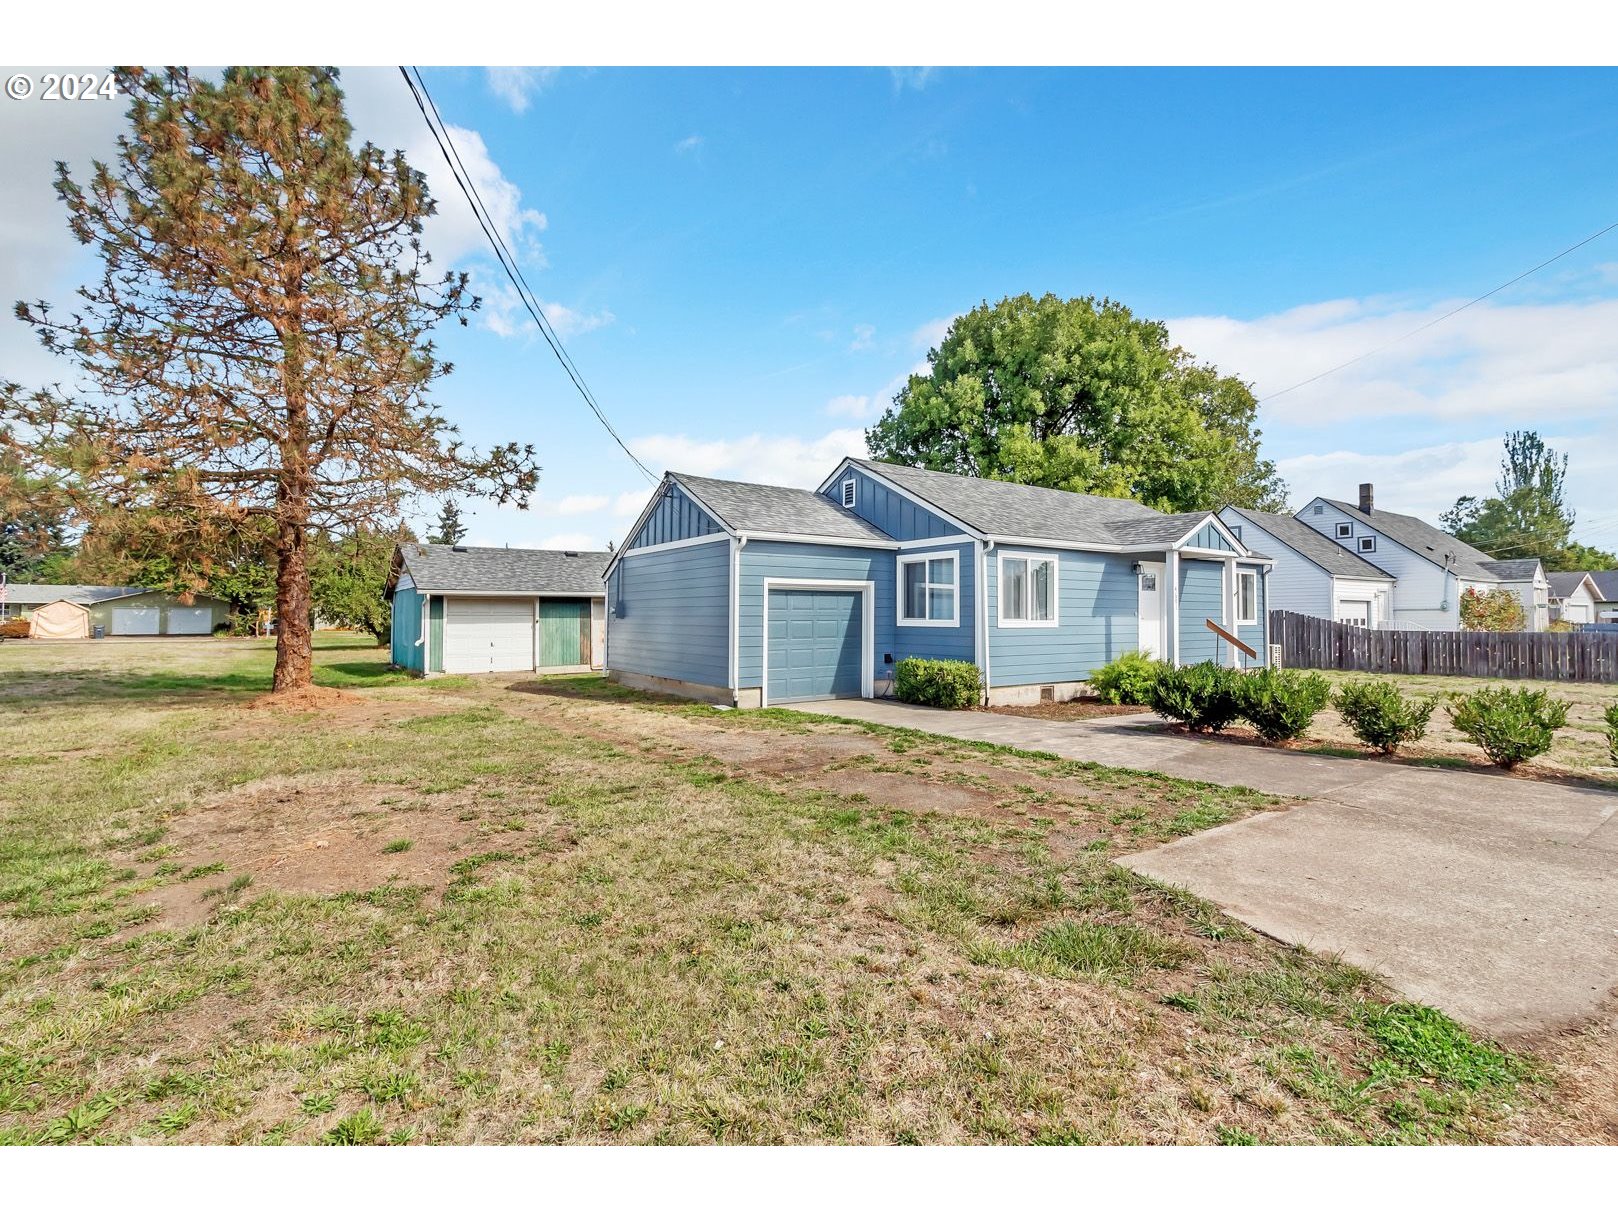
1231 617
1171 603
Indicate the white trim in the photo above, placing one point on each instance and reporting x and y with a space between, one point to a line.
910 545
848 462
837 541
849 492
442 593
1171 607
981 640
661 491
923 559
1214 554
736 546
1220 525
1240 621
1033 557
867 591
669 546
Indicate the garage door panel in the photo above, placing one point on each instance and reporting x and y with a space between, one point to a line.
488 635
815 644
190 621
135 621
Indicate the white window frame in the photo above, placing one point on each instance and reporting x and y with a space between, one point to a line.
1345 530
1056 589
1250 575
851 493
1367 543
922 558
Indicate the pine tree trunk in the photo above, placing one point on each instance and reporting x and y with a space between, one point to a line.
294 624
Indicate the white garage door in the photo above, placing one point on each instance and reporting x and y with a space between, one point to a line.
190 621
134 621
1356 613
488 635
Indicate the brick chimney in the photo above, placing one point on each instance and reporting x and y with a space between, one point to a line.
1367 498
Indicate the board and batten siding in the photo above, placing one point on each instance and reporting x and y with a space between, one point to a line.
675 517
1424 594
1098 607
1201 598
1296 582
406 629
891 512
808 561
671 614
1209 539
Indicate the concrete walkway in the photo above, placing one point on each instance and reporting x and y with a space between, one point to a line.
1493 898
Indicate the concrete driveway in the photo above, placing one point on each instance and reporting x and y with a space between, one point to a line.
1492 898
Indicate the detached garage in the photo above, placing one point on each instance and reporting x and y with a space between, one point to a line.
468 610
121 610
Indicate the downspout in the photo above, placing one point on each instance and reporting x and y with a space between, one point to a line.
984 549
737 543
421 641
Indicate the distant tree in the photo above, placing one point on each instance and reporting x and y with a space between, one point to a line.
1080 394
257 349
348 575
1528 517
227 557
451 530
33 523
611 546
1496 610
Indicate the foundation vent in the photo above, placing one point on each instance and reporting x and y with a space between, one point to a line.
1047 694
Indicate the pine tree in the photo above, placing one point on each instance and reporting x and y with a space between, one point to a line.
258 344
451 530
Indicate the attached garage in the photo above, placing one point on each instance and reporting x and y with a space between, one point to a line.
465 610
817 641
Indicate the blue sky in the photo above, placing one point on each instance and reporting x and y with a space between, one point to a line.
745 264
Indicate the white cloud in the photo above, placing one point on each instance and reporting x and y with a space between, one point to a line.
518 86
574 541
573 503
864 335
760 458
911 77
631 503
931 335
504 315
849 406
688 145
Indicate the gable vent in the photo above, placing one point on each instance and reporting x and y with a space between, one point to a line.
849 491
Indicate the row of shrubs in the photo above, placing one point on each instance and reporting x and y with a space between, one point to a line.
1510 725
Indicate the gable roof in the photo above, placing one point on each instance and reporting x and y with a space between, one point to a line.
1425 540
1606 585
771 509
440 568
1026 511
38 595
1565 584
1314 547
1513 570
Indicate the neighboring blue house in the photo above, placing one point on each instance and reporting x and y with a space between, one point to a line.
753 595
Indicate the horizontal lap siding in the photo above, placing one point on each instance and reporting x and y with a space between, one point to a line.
807 561
891 512
675 517
1201 594
675 620
1098 611
953 644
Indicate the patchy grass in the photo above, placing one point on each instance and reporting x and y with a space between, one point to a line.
622 920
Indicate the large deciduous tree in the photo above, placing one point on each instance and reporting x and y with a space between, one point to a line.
1080 394
257 349
1528 517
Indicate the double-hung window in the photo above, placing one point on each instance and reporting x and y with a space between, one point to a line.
1028 591
929 591
1246 596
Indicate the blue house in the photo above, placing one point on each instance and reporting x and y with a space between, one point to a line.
754 595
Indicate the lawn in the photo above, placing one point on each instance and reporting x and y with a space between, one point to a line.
490 910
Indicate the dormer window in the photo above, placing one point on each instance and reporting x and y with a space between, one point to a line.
849 490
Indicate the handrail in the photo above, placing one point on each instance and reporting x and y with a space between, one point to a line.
1219 631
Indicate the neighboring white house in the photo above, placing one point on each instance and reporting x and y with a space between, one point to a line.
1573 597
1313 575
1606 590
1431 568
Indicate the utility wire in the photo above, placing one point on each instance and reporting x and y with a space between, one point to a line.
1439 319
508 262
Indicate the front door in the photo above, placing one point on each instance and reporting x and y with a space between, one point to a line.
1151 608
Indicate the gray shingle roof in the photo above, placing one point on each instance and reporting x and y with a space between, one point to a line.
1563 584
1426 540
997 507
1512 570
1312 545
38 595
767 507
438 569
1606 585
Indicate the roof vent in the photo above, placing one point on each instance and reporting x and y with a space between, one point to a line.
570 553
457 548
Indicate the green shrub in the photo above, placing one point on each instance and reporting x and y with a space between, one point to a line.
938 684
1510 726
1611 717
1204 697
1381 717
1281 704
1126 679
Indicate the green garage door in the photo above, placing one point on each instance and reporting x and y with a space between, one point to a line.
814 645
564 631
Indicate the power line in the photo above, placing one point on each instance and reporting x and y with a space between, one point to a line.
508 261
1439 319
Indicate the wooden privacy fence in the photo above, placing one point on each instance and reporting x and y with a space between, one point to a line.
1321 644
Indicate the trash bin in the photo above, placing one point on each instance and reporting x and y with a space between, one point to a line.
98 632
